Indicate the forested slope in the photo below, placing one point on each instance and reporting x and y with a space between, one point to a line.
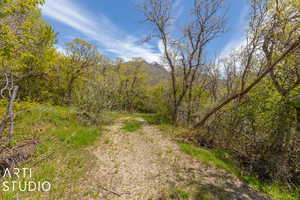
246 104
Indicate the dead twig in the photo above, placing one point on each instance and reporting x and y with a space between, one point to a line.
115 193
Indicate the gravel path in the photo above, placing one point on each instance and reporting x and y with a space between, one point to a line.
147 165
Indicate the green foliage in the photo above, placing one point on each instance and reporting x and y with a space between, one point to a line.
118 86
260 128
259 131
26 46
23 30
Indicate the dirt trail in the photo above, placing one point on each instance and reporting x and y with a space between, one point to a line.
147 165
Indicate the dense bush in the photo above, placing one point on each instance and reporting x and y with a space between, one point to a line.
261 133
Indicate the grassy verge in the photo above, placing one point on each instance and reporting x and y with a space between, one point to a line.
177 194
222 160
132 125
153 119
63 141
208 157
108 116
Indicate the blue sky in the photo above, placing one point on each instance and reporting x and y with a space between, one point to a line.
115 26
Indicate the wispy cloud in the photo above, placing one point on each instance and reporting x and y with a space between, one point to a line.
178 7
232 45
239 38
100 29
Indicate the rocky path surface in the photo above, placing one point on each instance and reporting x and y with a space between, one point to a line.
148 165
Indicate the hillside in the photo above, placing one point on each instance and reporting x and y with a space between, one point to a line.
127 158
200 101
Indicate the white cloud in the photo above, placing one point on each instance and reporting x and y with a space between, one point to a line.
60 49
100 29
178 7
238 39
232 45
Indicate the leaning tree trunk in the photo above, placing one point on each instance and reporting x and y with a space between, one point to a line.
296 104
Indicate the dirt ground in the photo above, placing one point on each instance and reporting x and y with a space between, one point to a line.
148 165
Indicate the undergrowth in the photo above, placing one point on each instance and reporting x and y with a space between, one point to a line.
61 156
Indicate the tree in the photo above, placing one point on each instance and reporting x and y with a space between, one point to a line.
80 56
286 76
263 29
10 89
132 77
184 55
26 44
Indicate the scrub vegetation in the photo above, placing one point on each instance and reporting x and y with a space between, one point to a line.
238 114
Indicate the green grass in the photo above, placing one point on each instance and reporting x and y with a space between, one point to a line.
132 125
154 119
175 194
108 117
79 137
64 138
222 160
208 157
181 194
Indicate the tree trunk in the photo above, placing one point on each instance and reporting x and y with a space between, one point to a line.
298 119
189 112
175 114
9 115
70 92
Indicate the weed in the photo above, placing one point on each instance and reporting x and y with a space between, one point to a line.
132 126
181 194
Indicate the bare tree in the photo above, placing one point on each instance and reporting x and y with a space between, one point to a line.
184 54
10 90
